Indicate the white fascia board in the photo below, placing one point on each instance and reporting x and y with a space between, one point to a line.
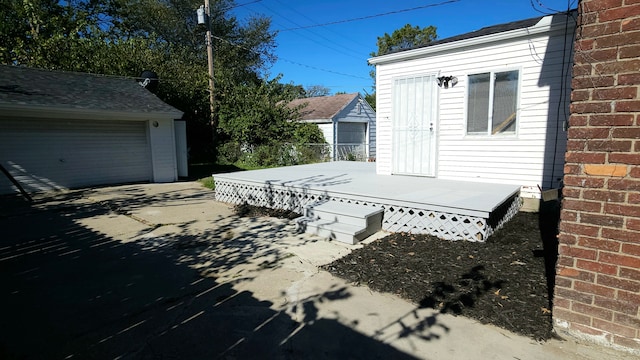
543 26
13 111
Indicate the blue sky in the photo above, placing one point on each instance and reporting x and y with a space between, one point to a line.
335 56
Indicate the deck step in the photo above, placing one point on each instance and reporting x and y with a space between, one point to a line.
344 222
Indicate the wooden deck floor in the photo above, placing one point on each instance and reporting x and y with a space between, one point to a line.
445 208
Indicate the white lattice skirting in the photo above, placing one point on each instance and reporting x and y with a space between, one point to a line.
397 217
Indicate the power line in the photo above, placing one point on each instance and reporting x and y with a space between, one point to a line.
371 16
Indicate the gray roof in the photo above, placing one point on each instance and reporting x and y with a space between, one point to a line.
489 30
323 107
37 88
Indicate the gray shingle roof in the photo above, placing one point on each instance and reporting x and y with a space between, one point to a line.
38 88
489 30
323 107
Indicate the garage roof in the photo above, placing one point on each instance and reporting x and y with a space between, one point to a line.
322 107
46 91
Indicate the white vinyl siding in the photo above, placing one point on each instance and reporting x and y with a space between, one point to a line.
50 154
524 157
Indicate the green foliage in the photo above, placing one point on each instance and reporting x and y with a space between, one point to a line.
404 38
317 90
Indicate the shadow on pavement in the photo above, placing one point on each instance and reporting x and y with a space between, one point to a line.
70 292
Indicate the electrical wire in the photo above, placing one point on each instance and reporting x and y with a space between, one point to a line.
371 16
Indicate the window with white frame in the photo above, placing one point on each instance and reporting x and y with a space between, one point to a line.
492 103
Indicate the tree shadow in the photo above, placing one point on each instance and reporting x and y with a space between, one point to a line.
70 291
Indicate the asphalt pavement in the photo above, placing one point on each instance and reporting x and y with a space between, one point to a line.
163 271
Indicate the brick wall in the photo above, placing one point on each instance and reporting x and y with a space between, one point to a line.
597 293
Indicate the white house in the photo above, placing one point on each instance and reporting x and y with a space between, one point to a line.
62 130
486 106
347 121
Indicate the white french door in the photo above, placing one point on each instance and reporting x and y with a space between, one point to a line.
414 125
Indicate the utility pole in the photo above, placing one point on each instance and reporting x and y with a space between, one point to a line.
205 18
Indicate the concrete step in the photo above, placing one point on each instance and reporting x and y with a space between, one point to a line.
348 223
345 213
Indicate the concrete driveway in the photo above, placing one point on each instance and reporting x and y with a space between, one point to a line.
163 271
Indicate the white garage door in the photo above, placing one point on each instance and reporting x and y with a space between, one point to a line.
45 155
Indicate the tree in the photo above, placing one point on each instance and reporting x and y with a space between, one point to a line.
406 37
317 90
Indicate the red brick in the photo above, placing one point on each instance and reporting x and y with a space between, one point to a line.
590 82
597 267
576 145
616 93
601 29
577 252
613 328
602 220
617 259
561 303
594 56
586 157
634 198
565 260
584 298
580 95
632 51
600 244
630 159
591 107
594 311
624 184
583 181
633 224
626 210
622 235
630 24
563 282
632 249
630 274
594 289
626 133
611 120
609 145
588 133
584 44
598 6
579 229
582 205
567 239
629 297
573 192
610 14
571 317
635 172
590 331
627 106
567 215
627 320
629 79
620 66
616 305
629 343
582 70
579 120
604 195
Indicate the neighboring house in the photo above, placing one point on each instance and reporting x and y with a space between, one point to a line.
62 130
347 121
486 106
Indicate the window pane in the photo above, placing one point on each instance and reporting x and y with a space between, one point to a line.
478 104
505 97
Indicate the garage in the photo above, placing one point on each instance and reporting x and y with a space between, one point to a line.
111 131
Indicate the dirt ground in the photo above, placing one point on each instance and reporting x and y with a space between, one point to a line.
506 281
502 282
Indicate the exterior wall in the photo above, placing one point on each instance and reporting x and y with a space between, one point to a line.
526 158
597 293
53 154
163 150
363 113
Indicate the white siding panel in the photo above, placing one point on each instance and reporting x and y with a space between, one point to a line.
49 154
526 158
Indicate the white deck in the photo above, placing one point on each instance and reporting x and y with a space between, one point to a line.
404 198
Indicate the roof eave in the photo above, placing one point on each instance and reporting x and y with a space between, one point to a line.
14 110
545 25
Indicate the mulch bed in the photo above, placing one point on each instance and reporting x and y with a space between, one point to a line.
502 281
506 281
